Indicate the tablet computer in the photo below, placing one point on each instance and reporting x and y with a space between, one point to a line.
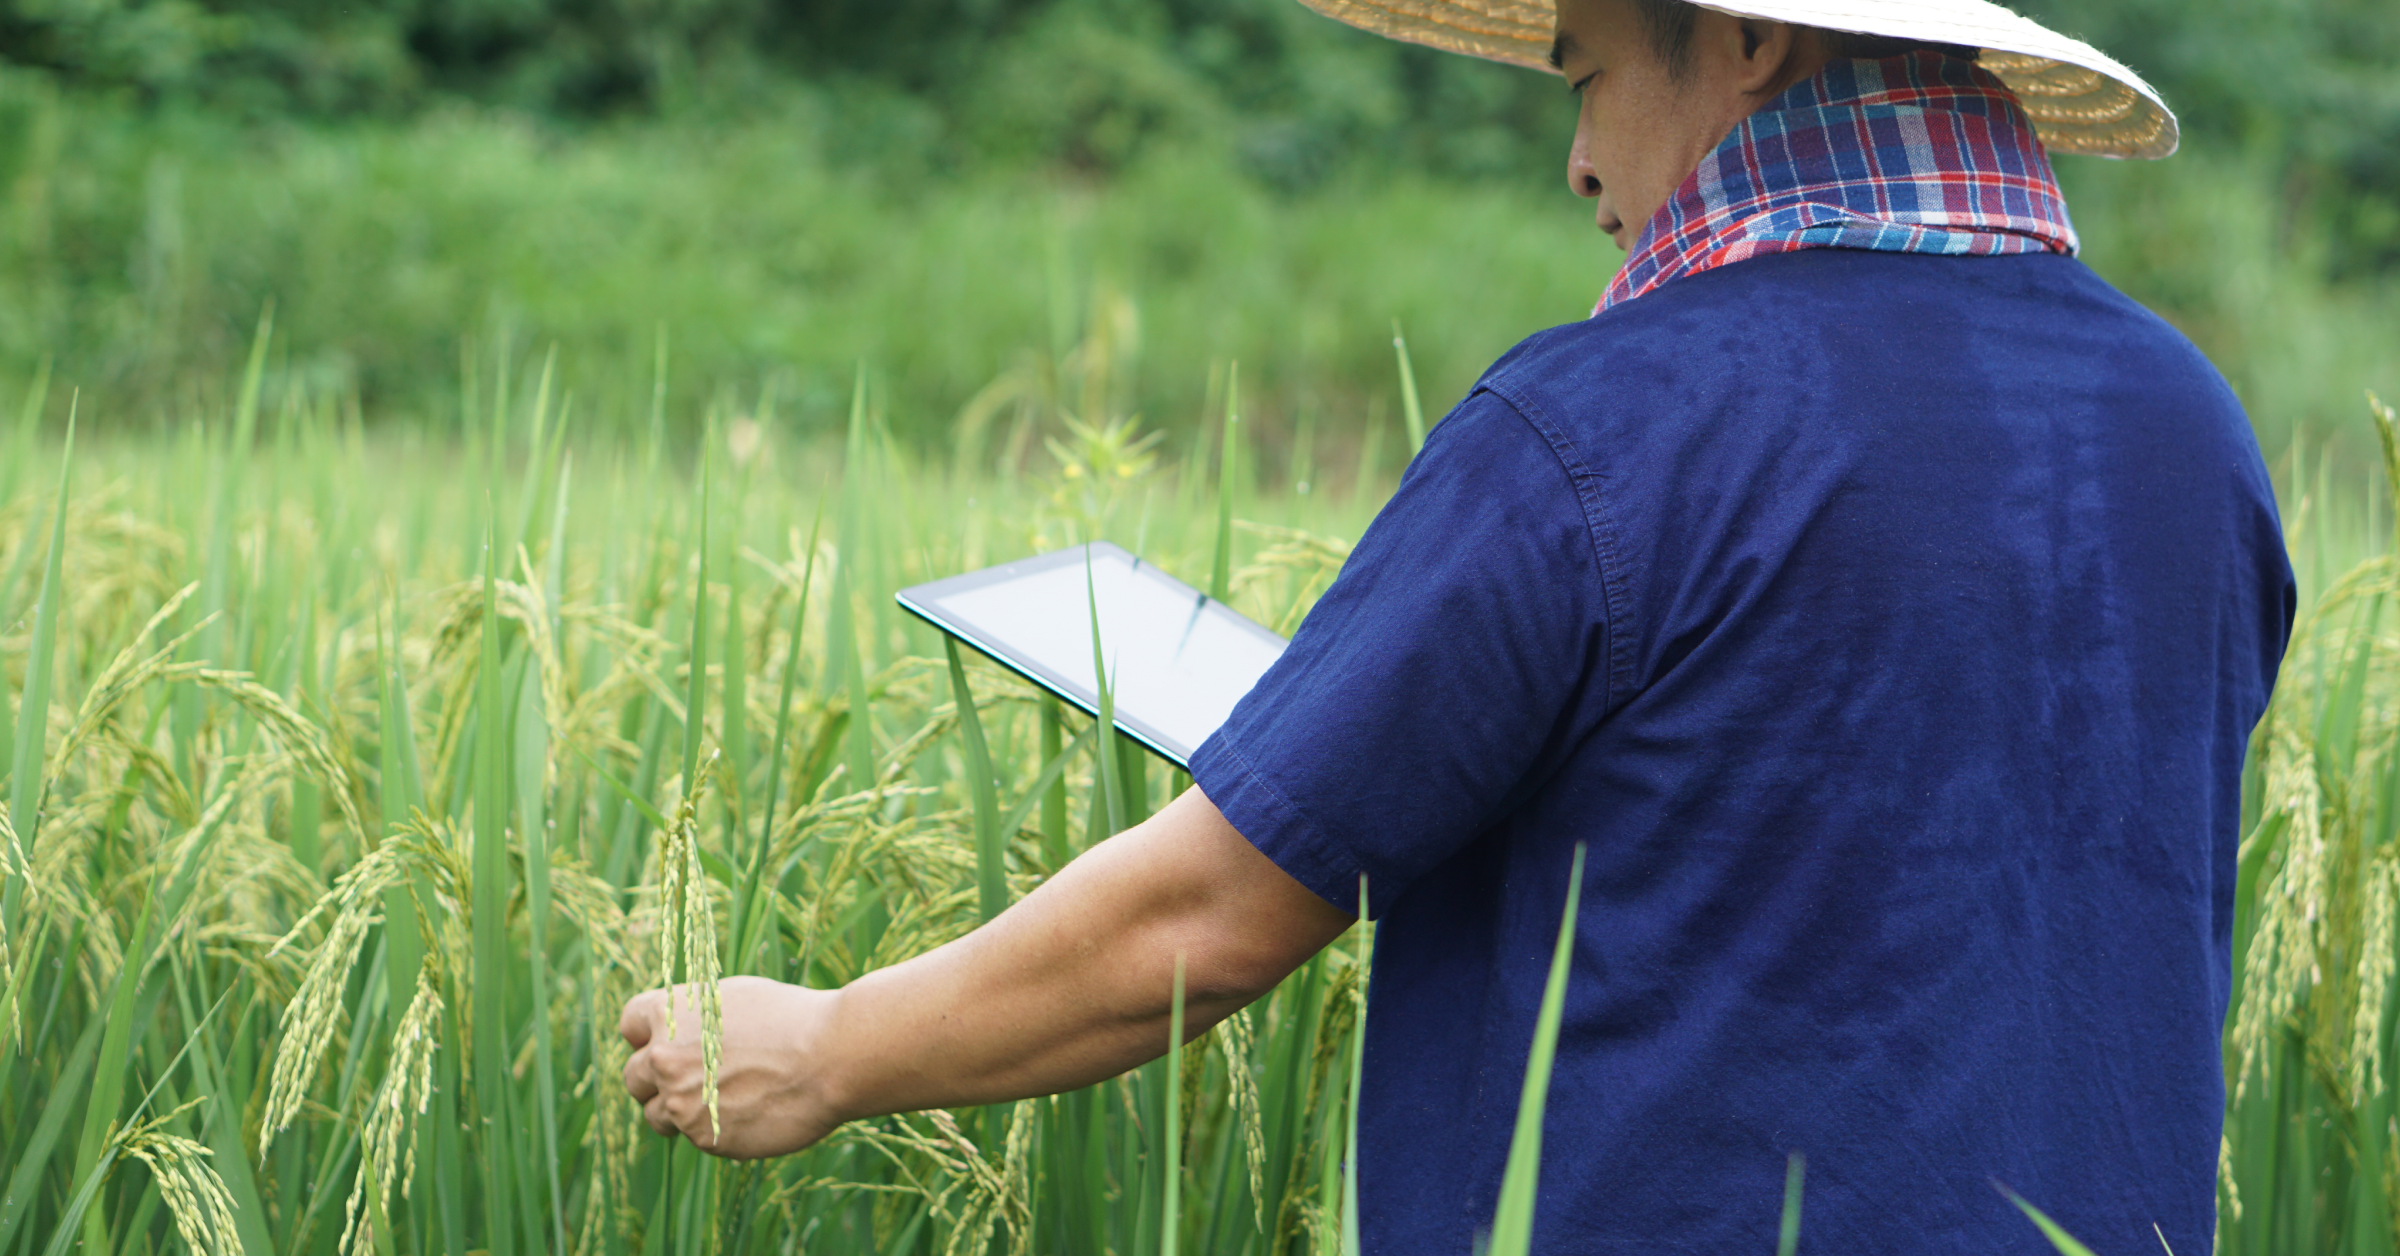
1177 659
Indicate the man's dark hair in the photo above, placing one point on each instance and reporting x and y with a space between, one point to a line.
1668 23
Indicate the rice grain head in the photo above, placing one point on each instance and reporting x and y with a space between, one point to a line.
195 1196
406 1089
690 933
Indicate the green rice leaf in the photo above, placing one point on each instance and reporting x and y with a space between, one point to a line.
1410 407
1358 1073
1046 785
2051 1230
62 1240
94 1150
695 699
748 915
1171 1225
1512 1223
1220 569
33 723
1787 1235
25 1176
492 891
991 874
532 760
1108 776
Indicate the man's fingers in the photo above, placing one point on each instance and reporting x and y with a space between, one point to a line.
634 1025
641 1077
661 1116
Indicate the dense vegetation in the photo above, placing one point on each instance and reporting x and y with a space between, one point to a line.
513 628
356 777
933 188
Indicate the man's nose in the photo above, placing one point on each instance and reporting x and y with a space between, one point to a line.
1582 180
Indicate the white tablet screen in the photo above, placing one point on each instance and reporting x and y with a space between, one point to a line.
1177 661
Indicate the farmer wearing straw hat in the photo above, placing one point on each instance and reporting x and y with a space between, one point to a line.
1881 600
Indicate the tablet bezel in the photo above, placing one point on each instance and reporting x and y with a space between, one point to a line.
923 601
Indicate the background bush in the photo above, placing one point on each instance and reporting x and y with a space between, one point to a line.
937 190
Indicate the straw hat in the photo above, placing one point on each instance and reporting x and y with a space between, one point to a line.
2080 100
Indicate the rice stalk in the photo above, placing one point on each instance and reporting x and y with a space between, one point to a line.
690 933
401 1097
1240 1044
196 1197
354 907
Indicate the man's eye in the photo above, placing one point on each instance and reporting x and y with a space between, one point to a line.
1576 88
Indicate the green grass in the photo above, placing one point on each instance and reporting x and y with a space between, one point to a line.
357 776
550 691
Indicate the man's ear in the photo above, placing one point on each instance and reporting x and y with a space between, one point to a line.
1767 49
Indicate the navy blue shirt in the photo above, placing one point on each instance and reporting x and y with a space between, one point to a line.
1889 627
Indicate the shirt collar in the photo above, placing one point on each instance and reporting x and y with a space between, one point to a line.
1921 153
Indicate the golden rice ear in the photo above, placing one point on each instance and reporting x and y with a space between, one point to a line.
196 1197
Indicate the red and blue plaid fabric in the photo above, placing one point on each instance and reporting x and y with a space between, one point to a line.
1915 154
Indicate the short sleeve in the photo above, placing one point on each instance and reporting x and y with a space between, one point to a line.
1434 676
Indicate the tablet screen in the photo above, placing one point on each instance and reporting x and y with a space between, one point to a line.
1177 661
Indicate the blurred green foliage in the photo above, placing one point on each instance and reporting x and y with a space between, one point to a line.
2308 91
1084 83
946 190
2304 85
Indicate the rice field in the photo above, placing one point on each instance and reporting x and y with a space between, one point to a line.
354 780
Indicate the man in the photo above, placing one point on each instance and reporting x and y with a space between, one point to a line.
1882 601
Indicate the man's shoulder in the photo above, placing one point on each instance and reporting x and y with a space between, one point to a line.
1842 318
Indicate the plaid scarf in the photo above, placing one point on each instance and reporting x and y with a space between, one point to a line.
1915 154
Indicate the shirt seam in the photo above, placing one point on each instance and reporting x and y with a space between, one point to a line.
1322 841
1600 530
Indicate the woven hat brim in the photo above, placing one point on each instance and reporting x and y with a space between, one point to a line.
2080 100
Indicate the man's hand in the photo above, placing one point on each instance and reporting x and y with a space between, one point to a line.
770 1097
1072 985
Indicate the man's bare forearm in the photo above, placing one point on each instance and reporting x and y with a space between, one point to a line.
1074 984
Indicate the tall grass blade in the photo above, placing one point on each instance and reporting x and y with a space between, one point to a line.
991 874
88 1181
20 464
1108 781
2051 1230
308 799
107 1095
748 914
1351 1236
33 711
223 1125
733 690
1171 1225
25 1176
2387 434
29 430
1787 1234
1048 784
490 918
532 757
1052 792
1220 567
1410 408
1512 1223
847 633
254 374
695 697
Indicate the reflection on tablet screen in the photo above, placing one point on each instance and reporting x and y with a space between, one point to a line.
1177 661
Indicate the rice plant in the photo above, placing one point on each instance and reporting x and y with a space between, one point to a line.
2311 1160
354 786
354 782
